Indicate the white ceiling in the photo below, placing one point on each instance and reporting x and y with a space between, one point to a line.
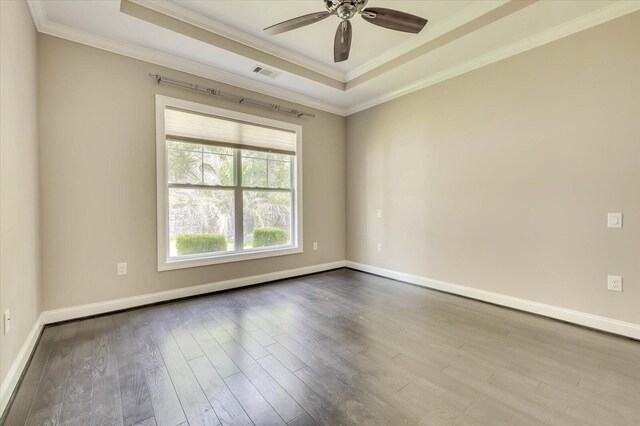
100 23
316 41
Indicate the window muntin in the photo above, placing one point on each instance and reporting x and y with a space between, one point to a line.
227 201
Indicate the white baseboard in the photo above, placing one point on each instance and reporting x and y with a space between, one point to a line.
19 364
74 312
581 318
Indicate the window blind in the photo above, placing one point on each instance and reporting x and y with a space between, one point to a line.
188 126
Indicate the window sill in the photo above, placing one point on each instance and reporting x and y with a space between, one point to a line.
194 262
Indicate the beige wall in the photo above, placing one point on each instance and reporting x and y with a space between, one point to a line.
19 240
501 179
98 201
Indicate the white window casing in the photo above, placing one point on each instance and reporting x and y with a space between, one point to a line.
184 121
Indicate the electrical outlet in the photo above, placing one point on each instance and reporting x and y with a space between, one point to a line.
614 220
122 269
379 213
315 246
379 247
7 321
614 283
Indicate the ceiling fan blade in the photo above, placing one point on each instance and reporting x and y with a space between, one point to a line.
298 22
394 19
342 42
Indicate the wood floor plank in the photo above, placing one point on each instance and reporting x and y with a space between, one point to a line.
78 390
212 349
47 402
151 421
379 367
304 420
288 359
352 399
186 342
587 410
217 331
267 326
280 400
166 405
25 396
252 401
104 358
240 319
317 357
261 337
106 408
134 393
441 385
220 397
322 410
250 344
196 406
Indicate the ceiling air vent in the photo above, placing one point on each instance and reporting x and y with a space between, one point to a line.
265 72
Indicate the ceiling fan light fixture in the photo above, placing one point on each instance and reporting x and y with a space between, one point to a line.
347 9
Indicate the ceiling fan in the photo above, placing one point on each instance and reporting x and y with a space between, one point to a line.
345 10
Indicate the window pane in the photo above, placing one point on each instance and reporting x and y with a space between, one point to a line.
266 170
200 221
267 218
184 164
279 174
218 169
199 164
254 172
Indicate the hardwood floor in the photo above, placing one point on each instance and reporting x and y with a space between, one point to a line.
341 347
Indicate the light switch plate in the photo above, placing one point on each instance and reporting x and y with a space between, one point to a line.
614 220
6 317
122 269
614 282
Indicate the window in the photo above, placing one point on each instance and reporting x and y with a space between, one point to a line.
229 185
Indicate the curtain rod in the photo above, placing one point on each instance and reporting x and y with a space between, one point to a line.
160 79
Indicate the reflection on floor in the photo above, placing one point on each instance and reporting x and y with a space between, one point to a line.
341 347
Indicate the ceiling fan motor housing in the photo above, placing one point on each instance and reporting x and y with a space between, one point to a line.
345 9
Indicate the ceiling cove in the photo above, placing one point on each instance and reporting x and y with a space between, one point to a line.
184 21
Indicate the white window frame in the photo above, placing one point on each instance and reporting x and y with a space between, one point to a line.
165 263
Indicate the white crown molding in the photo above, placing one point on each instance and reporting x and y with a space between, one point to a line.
18 366
589 20
90 309
180 64
468 14
185 15
597 322
37 13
